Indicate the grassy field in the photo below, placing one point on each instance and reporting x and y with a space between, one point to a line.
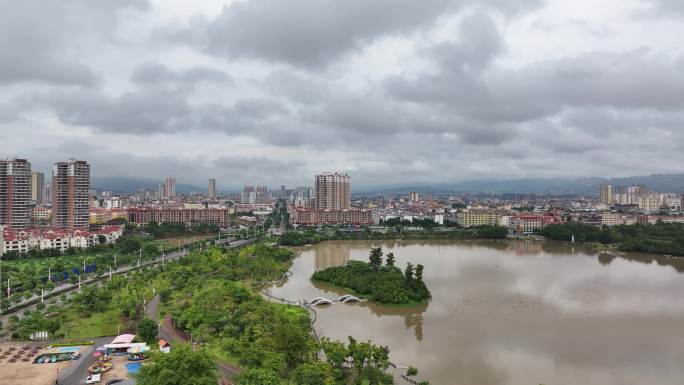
103 324
172 242
221 355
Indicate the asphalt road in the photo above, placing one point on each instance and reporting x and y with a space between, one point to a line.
76 373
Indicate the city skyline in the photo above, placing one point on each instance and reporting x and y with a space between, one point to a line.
444 91
41 191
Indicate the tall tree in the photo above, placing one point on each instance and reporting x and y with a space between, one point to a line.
180 367
293 342
390 259
315 373
147 330
258 376
408 273
376 257
419 272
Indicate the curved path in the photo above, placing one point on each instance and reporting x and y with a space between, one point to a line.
398 371
168 332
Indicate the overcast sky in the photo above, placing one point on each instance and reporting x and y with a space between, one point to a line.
391 91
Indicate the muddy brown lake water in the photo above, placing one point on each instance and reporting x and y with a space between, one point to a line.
515 312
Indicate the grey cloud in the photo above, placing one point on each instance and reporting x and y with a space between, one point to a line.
157 73
470 85
132 112
309 33
312 33
266 169
37 39
157 110
667 7
259 108
295 86
473 112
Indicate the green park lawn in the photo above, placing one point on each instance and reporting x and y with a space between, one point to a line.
76 326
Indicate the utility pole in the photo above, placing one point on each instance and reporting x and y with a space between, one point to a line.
42 297
79 283
115 260
110 273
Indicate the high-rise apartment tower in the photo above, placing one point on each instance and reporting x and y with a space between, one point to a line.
70 194
37 187
170 187
212 189
333 191
606 194
15 193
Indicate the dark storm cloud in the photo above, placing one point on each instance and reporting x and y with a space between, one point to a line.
157 73
37 38
312 33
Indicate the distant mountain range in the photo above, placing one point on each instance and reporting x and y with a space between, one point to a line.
579 186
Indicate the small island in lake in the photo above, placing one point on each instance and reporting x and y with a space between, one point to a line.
382 283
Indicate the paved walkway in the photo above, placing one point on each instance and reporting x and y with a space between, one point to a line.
168 332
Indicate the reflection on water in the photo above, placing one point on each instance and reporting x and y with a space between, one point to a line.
337 254
413 316
516 312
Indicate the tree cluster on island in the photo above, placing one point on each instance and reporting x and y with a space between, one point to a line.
381 283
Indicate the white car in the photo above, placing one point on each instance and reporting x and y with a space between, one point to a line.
93 378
